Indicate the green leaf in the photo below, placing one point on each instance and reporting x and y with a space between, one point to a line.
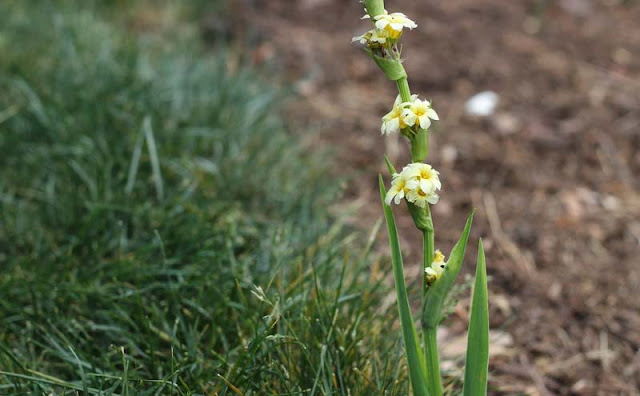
438 291
392 170
409 334
392 68
477 365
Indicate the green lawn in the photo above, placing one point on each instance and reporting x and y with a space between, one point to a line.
146 192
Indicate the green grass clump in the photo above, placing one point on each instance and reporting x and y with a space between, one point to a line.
146 191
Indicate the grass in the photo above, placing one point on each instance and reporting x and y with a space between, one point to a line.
160 230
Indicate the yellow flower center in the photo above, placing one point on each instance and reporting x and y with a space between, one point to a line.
393 34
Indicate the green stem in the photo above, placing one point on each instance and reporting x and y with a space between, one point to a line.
374 7
420 139
432 362
403 89
419 145
428 248
429 334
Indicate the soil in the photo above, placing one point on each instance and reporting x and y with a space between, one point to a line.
553 172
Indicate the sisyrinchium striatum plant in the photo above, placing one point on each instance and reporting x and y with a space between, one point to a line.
417 185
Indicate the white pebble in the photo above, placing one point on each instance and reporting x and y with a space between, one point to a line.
482 104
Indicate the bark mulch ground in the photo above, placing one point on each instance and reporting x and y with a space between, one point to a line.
553 173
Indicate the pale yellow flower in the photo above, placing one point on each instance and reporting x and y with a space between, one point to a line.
433 272
397 190
372 38
394 23
362 39
421 199
430 275
438 261
417 183
393 121
418 112
423 177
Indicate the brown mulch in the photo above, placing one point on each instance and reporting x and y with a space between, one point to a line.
553 174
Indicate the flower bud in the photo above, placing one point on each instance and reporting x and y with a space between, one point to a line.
421 216
374 7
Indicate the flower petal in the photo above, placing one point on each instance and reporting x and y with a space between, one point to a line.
381 24
426 185
425 122
388 198
409 117
431 113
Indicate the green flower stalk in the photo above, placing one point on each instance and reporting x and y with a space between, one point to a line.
374 7
418 185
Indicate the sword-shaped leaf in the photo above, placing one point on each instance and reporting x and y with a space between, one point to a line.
409 334
438 291
477 365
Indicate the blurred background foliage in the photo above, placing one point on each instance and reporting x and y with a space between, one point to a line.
147 185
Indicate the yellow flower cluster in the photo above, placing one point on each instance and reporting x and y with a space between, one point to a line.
394 23
416 112
387 27
417 183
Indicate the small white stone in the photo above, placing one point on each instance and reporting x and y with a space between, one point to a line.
482 104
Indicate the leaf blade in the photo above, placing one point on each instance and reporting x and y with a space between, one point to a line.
409 333
477 362
437 292
390 167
